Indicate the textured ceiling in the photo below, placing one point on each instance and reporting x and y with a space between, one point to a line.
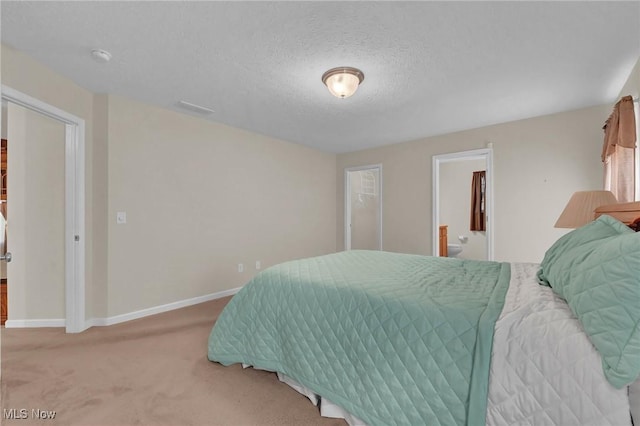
430 67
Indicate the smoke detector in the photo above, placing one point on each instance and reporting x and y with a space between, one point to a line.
101 55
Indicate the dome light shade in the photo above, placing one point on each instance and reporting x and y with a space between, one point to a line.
342 82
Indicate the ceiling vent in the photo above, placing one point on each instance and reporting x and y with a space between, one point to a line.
195 108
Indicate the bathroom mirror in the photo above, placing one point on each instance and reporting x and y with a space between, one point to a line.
453 195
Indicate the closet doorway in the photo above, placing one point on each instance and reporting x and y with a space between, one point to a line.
363 208
3 223
45 212
35 217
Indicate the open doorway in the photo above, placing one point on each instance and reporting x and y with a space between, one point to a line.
29 119
452 182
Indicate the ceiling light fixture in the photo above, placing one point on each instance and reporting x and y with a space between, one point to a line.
101 55
343 82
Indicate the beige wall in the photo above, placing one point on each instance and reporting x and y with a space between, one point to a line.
202 197
455 206
36 213
538 164
97 293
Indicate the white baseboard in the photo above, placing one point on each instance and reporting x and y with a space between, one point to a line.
32 323
160 309
35 323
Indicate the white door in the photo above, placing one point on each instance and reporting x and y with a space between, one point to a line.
363 208
35 217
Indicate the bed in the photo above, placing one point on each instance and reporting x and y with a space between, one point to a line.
385 338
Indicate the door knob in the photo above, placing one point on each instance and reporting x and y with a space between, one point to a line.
6 257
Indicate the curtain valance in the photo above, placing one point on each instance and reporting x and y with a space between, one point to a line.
620 128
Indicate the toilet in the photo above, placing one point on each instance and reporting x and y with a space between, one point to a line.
454 250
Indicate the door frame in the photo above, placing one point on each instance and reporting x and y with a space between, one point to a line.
347 202
74 232
485 154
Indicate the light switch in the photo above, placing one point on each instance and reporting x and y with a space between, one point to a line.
121 218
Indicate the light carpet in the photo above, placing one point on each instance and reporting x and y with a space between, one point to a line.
151 371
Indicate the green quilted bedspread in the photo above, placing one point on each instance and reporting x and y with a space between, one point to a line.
392 338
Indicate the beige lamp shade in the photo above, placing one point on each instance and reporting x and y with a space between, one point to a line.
580 208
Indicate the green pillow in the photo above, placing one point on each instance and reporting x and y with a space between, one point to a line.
600 280
601 228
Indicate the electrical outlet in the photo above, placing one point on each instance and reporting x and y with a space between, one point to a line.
240 267
258 265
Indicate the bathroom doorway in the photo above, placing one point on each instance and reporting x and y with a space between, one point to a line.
363 208
452 193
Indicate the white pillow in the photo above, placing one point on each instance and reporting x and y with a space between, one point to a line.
634 401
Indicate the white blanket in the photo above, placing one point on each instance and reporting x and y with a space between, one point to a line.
544 369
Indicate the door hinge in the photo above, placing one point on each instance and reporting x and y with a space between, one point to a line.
77 238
